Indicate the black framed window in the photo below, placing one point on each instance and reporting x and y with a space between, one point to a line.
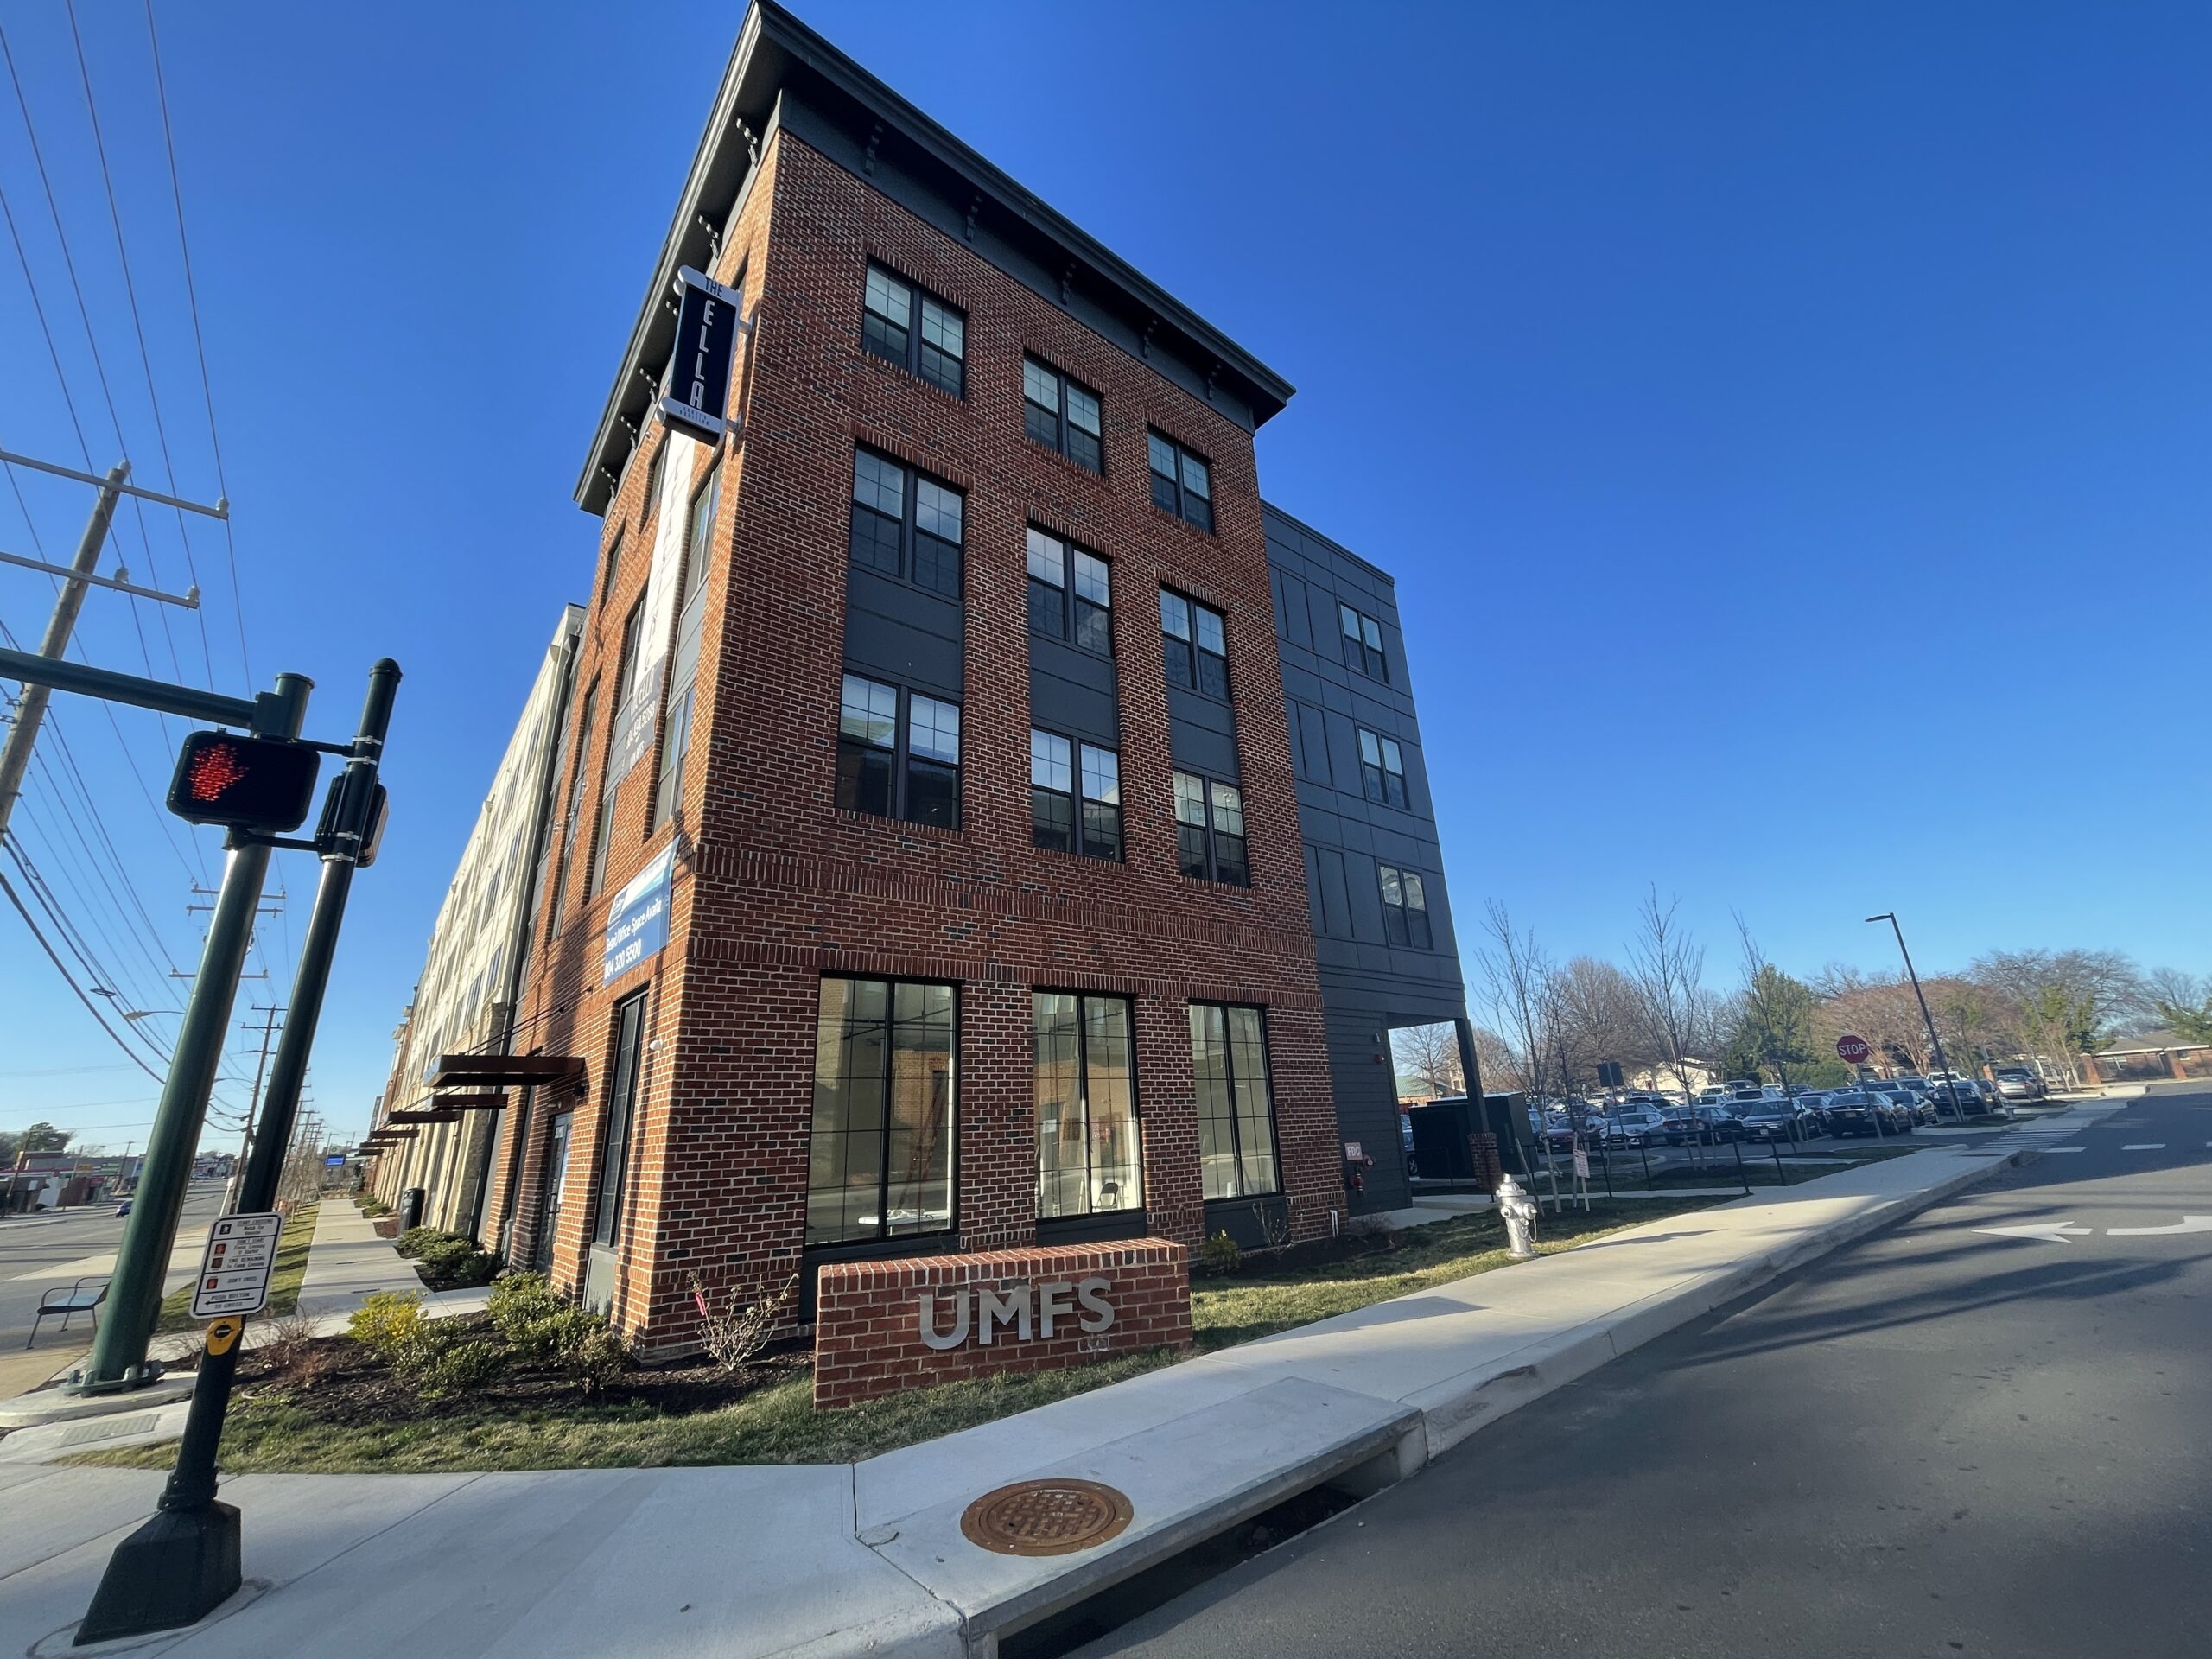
1382 768
898 753
1364 650
879 1158
1195 646
1070 592
619 1126
1061 415
1209 830
1182 483
577 761
1405 908
1087 1154
1075 797
912 327
1236 1116
907 524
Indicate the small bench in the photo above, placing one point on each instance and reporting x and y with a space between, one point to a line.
69 1303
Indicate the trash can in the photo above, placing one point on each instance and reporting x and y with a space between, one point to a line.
410 1207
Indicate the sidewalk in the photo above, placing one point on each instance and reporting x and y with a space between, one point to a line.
870 1557
346 1264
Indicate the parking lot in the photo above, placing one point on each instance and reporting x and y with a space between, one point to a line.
1653 1165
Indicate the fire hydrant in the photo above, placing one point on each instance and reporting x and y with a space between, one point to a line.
1519 1212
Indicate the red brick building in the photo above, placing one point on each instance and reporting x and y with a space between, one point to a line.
946 692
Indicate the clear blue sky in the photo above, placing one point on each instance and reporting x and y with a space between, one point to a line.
1787 425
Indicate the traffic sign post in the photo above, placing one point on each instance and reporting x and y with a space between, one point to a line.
187 1561
1852 1050
237 1266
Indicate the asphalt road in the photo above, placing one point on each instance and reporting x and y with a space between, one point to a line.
1939 1441
40 1252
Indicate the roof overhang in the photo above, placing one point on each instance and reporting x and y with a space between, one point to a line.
497 1070
774 51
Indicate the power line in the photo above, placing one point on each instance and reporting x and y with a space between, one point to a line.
9 892
145 358
91 339
199 341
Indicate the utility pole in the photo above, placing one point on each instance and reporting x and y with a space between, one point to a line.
31 709
268 1030
79 576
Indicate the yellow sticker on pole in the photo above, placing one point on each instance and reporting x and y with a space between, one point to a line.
222 1333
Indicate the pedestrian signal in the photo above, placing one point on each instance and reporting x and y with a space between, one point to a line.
265 784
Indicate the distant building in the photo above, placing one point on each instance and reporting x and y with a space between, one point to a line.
465 1000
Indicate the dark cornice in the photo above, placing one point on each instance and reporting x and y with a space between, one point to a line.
776 51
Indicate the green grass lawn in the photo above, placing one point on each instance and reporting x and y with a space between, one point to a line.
779 1424
283 1287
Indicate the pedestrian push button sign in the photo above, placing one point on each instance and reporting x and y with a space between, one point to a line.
234 1274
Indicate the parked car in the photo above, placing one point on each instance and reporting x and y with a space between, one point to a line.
1634 1128
1865 1112
2018 1083
1813 1111
1770 1120
1717 1124
1957 1101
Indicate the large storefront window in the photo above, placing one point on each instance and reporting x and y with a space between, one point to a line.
1087 1157
880 1161
1237 1118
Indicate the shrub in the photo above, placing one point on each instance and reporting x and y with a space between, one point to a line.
387 1324
596 1360
411 1242
1219 1254
519 1300
451 1262
736 1332
572 1341
448 1363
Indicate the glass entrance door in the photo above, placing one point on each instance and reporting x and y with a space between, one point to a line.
557 1178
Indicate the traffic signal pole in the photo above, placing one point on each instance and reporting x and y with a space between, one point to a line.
134 1296
189 1558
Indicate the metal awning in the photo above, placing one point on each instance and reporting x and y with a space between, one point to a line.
432 1115
487 1102
498 1070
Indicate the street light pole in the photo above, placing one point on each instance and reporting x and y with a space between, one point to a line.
1934 1040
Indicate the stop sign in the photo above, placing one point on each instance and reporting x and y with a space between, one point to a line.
1853 1049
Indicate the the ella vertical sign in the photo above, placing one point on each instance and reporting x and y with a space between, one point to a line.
637 922
695 392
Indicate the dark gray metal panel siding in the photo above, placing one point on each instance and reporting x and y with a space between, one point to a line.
1073 691
1201 734
1367 985
894 632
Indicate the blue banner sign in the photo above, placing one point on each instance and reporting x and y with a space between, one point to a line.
637 922
695 392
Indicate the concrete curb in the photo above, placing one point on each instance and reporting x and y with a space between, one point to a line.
1448 1415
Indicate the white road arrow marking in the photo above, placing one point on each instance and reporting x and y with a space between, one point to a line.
2146 1146
2049 1232
2186 1224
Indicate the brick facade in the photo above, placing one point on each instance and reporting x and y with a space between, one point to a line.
775 887
989 1311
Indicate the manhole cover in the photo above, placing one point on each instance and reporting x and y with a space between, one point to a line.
1045 1518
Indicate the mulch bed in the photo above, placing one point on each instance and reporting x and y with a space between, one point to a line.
351 1387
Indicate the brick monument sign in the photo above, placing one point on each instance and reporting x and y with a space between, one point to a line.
882 1326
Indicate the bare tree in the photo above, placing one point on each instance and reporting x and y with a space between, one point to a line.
1668 968
1430 1056
1518 977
